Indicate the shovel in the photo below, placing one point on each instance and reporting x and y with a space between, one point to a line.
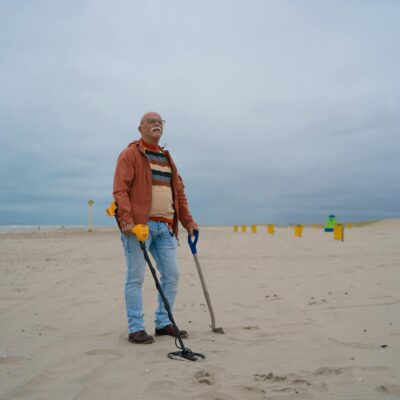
192 245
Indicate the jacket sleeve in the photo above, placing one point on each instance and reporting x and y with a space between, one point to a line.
123 181
185 217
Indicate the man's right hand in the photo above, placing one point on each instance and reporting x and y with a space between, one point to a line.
127 230
141 231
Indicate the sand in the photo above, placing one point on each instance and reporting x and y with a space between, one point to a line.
304 318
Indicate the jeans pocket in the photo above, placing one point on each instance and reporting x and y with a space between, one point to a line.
174 240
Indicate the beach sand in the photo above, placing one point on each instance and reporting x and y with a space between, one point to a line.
304 318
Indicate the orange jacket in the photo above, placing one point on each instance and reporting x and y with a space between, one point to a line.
133 188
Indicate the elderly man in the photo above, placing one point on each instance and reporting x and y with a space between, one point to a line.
149 191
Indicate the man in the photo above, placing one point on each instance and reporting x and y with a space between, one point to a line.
149 191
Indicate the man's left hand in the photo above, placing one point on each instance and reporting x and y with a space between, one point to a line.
191 230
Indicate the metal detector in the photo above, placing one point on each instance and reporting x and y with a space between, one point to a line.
184 352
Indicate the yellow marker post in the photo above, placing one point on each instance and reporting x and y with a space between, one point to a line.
254 229
349 226
298 230
338 232
235 228
271 229
244 228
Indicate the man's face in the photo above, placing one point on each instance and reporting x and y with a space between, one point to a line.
151 127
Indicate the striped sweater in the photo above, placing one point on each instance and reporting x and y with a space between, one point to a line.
162 208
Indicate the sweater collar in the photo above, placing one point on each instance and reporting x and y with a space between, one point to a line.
149 146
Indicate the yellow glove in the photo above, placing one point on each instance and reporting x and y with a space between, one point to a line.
110 211
141 232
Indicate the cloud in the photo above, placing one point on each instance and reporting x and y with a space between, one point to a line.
275 111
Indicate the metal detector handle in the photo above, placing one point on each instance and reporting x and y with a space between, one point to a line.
192 244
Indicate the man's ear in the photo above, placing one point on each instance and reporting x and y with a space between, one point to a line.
139 129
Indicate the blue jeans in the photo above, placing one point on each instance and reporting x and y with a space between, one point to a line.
162 246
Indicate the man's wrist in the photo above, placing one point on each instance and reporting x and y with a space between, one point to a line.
127 229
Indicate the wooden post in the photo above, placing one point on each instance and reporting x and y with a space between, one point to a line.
90 204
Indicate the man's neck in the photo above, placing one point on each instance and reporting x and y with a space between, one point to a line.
150 145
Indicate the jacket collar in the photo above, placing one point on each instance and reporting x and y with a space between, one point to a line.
139 144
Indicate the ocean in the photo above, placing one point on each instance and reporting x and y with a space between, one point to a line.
34 228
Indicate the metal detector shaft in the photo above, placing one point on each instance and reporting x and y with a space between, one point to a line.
161 292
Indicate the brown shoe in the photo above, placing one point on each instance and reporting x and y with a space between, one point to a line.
170 330
140 337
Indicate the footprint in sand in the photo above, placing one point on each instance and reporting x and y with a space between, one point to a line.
271 377
300 381
204 377
286 385
13 359
97 352
388 389
251 327
353 345
313 301
327 371
272 297
247 391
290 389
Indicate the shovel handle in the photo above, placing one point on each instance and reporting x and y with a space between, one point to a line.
192 244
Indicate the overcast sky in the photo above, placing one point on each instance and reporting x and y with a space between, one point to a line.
277 111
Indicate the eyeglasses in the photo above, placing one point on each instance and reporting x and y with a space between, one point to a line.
152 121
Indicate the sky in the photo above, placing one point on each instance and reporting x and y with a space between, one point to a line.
276 111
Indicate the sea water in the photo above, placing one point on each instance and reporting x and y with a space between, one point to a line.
35 228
